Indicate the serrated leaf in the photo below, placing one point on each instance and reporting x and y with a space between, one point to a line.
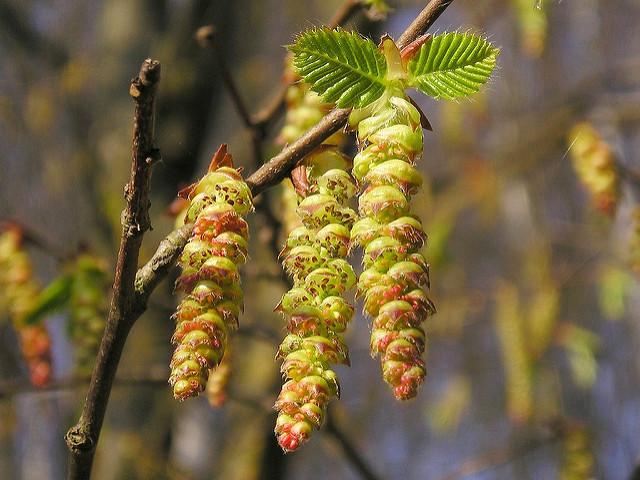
53 298
341 66
452 65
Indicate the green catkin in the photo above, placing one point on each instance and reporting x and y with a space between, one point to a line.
395 273
210 277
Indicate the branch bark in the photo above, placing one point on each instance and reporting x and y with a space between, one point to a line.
82 438
350 451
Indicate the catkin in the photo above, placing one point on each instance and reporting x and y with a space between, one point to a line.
210 277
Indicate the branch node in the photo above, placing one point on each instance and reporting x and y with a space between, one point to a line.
78 440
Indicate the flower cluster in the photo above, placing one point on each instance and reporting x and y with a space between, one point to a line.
315 308
18 289
595 165
210 276
395 275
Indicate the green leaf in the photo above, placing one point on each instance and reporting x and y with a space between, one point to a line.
452 65
53 298
343 67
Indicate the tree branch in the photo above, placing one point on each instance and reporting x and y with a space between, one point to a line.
423 21
495 458
83 437
207 37
154 271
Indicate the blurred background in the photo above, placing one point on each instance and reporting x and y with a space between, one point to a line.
531 206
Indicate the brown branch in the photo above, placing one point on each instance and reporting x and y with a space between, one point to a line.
276 169
423 21
257 125
507 454
83 437
279 166
154 271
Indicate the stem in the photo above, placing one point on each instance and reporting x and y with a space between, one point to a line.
423 21
279 166
276 169
83 437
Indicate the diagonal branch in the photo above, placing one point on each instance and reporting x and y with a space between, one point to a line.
83 437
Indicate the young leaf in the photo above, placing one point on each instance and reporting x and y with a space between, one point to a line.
343 67
452 65
54 297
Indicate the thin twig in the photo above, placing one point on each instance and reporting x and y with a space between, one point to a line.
279 166
276 169
8 390
129 296
83 437
31 237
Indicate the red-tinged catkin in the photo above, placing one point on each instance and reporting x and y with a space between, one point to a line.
395 274
18 290
210 276
595 165
316 311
